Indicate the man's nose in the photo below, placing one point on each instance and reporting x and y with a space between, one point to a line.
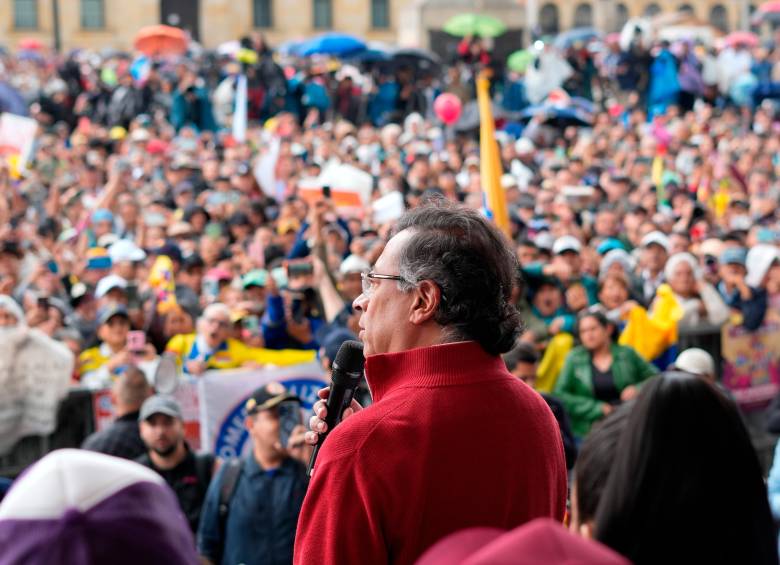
360 303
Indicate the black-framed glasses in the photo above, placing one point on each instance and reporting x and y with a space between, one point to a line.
366 278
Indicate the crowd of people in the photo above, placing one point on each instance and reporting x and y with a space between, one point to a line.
143 227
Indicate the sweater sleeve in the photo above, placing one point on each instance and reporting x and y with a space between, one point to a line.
339 523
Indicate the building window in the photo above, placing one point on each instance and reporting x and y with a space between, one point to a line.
621 17
687 10
548 19
380 14
652 9
262 13
719 17
26 14
323 14
583 15
93 15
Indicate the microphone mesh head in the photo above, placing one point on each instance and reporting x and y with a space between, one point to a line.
350 357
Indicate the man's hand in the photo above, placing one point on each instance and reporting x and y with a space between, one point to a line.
556 326
606 409
317 423
297 447
122 358
195 367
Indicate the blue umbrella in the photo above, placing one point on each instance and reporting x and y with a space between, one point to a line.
11 101
578 34
557 115
375 52
336 44
290 47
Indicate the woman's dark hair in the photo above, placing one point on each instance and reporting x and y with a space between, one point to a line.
597 313
472 264
686 485
595 461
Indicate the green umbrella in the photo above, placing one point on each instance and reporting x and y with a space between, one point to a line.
519 60
474 24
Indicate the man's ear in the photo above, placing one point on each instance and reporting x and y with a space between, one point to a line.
426 302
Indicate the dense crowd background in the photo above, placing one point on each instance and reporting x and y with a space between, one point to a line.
640 180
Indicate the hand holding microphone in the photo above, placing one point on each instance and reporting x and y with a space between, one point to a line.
338 400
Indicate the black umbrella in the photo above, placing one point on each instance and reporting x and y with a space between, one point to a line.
423 61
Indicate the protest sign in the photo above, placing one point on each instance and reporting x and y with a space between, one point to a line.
35 374
223 394
17 135
751 362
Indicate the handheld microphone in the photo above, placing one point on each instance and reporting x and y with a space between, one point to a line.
345 378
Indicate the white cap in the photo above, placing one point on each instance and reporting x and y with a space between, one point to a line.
354 264
125 250
566 243
544 240
105 285
508 181
759 260
696 361
657 238
140 135
524 145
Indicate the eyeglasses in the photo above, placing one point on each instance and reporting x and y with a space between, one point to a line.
366 278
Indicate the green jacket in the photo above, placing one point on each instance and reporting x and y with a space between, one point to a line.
575 383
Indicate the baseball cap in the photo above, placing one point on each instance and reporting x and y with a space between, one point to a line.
98 259
608 245
82 506
108 283
696 361
219 274
733 256
656 238
508 181
544 240
524 145
333 341
109 312
125 250
170 250
140 135
540 541
354 264
566 243
179 228
267 397
255 277
159 404
759 259
182 187
102 215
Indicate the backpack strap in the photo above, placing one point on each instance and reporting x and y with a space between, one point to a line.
227 489
204 467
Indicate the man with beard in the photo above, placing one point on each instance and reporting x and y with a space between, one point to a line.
187 473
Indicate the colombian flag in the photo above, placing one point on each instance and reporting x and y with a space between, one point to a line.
490 160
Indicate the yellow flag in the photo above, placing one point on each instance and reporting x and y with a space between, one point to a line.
490 160
652 334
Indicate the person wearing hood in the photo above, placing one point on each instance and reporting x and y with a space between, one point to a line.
698 299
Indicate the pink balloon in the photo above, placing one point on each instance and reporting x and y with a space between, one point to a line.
447 107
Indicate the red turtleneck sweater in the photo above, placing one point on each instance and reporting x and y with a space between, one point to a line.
452 441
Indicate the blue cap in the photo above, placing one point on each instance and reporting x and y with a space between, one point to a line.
609 244
734 256
102 215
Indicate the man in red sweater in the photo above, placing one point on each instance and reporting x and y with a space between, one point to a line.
452 440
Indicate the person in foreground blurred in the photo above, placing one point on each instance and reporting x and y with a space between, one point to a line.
435 315
106 510
540 541
686 485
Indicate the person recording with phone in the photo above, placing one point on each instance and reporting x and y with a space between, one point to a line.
452 439
253 503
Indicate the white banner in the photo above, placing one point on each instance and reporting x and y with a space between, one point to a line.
223 394
17 135
35 374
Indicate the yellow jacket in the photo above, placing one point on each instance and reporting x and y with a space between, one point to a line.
233 353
